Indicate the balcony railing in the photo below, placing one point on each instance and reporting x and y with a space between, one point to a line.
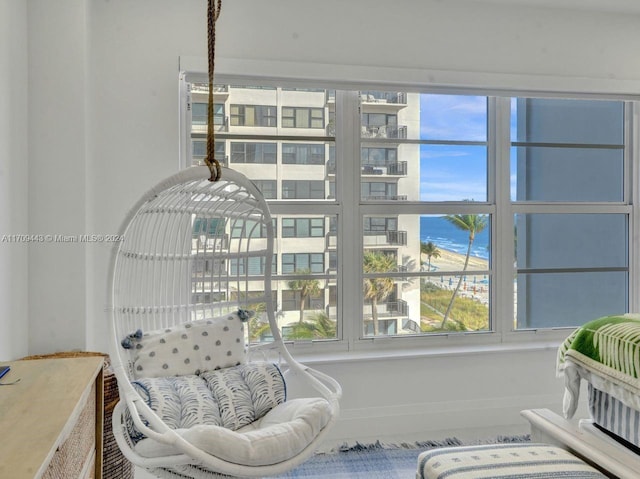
403 269
384 197
398 168
331 240
204 88
393 97
410 325
384 131
383 97
381 238
198 160
387 309
331 167
398 308
331 129
219 124
371 170
397 237
203 242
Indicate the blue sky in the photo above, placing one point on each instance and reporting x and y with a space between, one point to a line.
454 172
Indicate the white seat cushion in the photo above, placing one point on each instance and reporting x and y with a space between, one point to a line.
279 435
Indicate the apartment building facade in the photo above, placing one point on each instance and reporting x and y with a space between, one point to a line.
284 140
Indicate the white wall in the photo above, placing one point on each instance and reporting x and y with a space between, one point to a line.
103 128
13 179
58 42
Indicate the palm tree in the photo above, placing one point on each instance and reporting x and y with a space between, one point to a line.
307 286
474 224
431 250
325 326
319 326
378 288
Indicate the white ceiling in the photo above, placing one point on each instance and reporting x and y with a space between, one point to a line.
613 6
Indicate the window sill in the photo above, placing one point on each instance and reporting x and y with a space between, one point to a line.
386 353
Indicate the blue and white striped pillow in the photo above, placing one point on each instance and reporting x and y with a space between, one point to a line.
231 397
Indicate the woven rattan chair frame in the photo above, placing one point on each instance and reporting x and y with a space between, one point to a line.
151 286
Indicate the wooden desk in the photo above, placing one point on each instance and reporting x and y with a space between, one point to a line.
51 421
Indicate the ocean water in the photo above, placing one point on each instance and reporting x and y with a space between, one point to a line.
446 236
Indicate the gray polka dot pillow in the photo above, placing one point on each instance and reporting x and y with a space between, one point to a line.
189 348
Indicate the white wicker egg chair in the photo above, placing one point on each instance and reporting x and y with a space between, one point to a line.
193 250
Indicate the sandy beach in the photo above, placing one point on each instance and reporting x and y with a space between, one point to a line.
451 261
475 284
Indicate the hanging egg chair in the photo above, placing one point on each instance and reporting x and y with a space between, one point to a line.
189 281
200 396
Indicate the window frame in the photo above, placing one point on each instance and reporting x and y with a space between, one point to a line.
498 206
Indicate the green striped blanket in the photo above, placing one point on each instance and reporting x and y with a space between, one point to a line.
610 344
605 353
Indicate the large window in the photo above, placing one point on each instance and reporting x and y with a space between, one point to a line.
242 152
303 154
300 189
253 115
420 216
300 117
303 227
297 262
200 114
571 222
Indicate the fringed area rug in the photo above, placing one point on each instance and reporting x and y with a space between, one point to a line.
377 461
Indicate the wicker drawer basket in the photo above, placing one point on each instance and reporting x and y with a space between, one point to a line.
71 457
114 464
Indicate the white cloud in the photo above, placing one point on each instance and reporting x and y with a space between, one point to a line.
431 154
454 117
439 189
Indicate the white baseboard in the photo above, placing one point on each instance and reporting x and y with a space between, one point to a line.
466 419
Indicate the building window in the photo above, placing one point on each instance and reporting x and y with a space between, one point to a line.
253 152
473 213
298 117
380 191
380 224
382 125
293 262
299 189
200 111
302 154
268 188
208 226
379 156
199 151
291 300
250 229
302 227
249 266
253 115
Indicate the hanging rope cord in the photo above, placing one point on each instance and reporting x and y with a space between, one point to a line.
213 12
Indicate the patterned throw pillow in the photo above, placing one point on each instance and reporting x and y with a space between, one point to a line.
189 348
231 397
